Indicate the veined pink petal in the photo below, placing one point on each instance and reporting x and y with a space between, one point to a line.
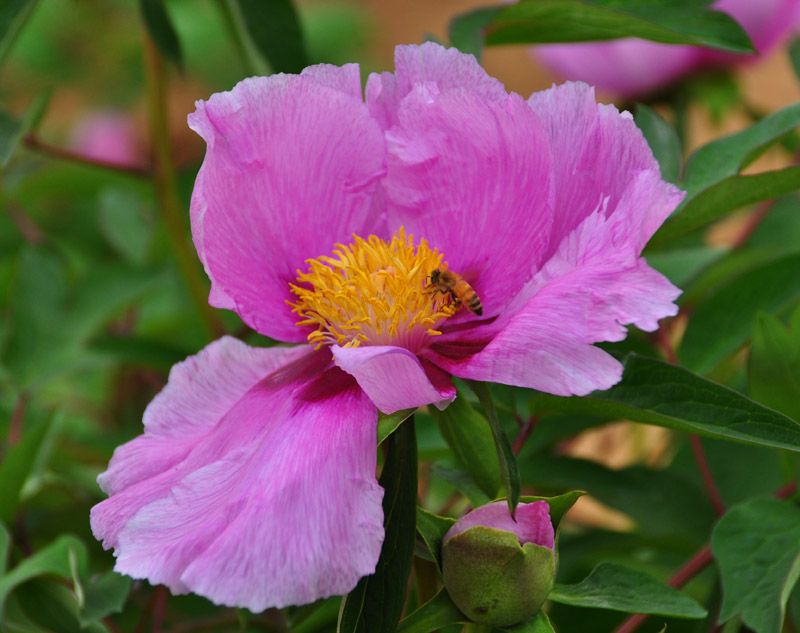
275 504
199 392
593 285
394 378
473 177
292 167
596 153
432 64
532 524
632 67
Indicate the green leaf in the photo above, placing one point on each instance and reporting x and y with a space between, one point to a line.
463 483
13 16
159 26
466 31
774 367
655 392
539 623
105 595
682 265
432 529
663 140
675 22
439 611
17 465
470 437
612 586
274 27
794 55
60 558
718 161
388 423
505 455
757 547
50 325
375 605
5 547
660 501
727 195
13 129
125 223
723 322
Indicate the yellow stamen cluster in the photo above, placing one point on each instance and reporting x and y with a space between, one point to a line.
372 293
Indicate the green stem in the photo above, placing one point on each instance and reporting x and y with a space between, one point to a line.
251 58
166 187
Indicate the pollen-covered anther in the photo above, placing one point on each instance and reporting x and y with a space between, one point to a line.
372 292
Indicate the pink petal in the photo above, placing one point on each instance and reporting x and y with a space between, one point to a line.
199 392
532 525
627 66
597 152
292 167
592 286
632 67
472 177
275 504
430 63
394 378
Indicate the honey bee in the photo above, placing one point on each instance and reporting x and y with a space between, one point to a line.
450 283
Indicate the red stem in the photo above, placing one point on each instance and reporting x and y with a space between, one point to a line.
159 607
694 566
524 434
33 142
17 417
705 472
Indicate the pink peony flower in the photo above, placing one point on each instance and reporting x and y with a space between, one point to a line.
254 482
632 67
107 136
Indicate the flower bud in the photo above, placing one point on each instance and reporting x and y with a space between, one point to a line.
497 570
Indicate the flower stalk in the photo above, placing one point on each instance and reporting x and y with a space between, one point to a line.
166 188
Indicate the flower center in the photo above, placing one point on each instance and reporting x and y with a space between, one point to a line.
372 293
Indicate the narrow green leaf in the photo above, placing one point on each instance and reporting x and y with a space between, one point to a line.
505 455
757 547
655 392
105 595
375 605
774 367
17 465
53 559
662 139
275 29
13 129
470 437
612 586
559 505
432 529
159 26
723 322
5 548
720 160
463 483
13 16
794 55
675 22
439 611
539 623
728 195
466 30
388 423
